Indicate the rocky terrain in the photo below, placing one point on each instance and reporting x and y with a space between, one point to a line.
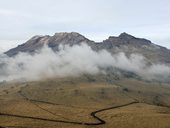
123 43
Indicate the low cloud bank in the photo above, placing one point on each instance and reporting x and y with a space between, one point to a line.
74 61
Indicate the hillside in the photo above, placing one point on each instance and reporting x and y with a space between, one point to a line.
83 103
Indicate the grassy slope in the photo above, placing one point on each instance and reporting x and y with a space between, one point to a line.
76 98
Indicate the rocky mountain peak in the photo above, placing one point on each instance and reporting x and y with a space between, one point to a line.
75 34
126 36
69 36
123 43
65 38
127 39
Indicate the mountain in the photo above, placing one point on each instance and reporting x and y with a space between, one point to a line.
53 42
123 43
129 44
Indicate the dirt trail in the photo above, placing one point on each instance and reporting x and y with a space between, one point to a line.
93 114
99 120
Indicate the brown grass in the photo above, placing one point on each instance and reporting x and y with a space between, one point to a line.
73 99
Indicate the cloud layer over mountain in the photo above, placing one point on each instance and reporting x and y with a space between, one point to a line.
75 61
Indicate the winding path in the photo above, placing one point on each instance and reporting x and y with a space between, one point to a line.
93 114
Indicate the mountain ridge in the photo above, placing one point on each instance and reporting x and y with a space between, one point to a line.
123 43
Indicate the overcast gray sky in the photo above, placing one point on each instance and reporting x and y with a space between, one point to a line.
96 19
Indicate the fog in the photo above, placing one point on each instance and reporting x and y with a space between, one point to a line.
75 61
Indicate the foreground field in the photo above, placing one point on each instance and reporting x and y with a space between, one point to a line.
82 103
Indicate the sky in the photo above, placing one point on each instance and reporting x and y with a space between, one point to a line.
95 19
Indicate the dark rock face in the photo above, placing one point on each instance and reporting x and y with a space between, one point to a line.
37 42
123 43
126 39
130 44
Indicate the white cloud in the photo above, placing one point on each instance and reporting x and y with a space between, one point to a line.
75 61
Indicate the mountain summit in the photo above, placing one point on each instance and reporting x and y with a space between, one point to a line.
53 42
123 43
125 35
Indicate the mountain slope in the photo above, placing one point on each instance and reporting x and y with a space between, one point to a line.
123 43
